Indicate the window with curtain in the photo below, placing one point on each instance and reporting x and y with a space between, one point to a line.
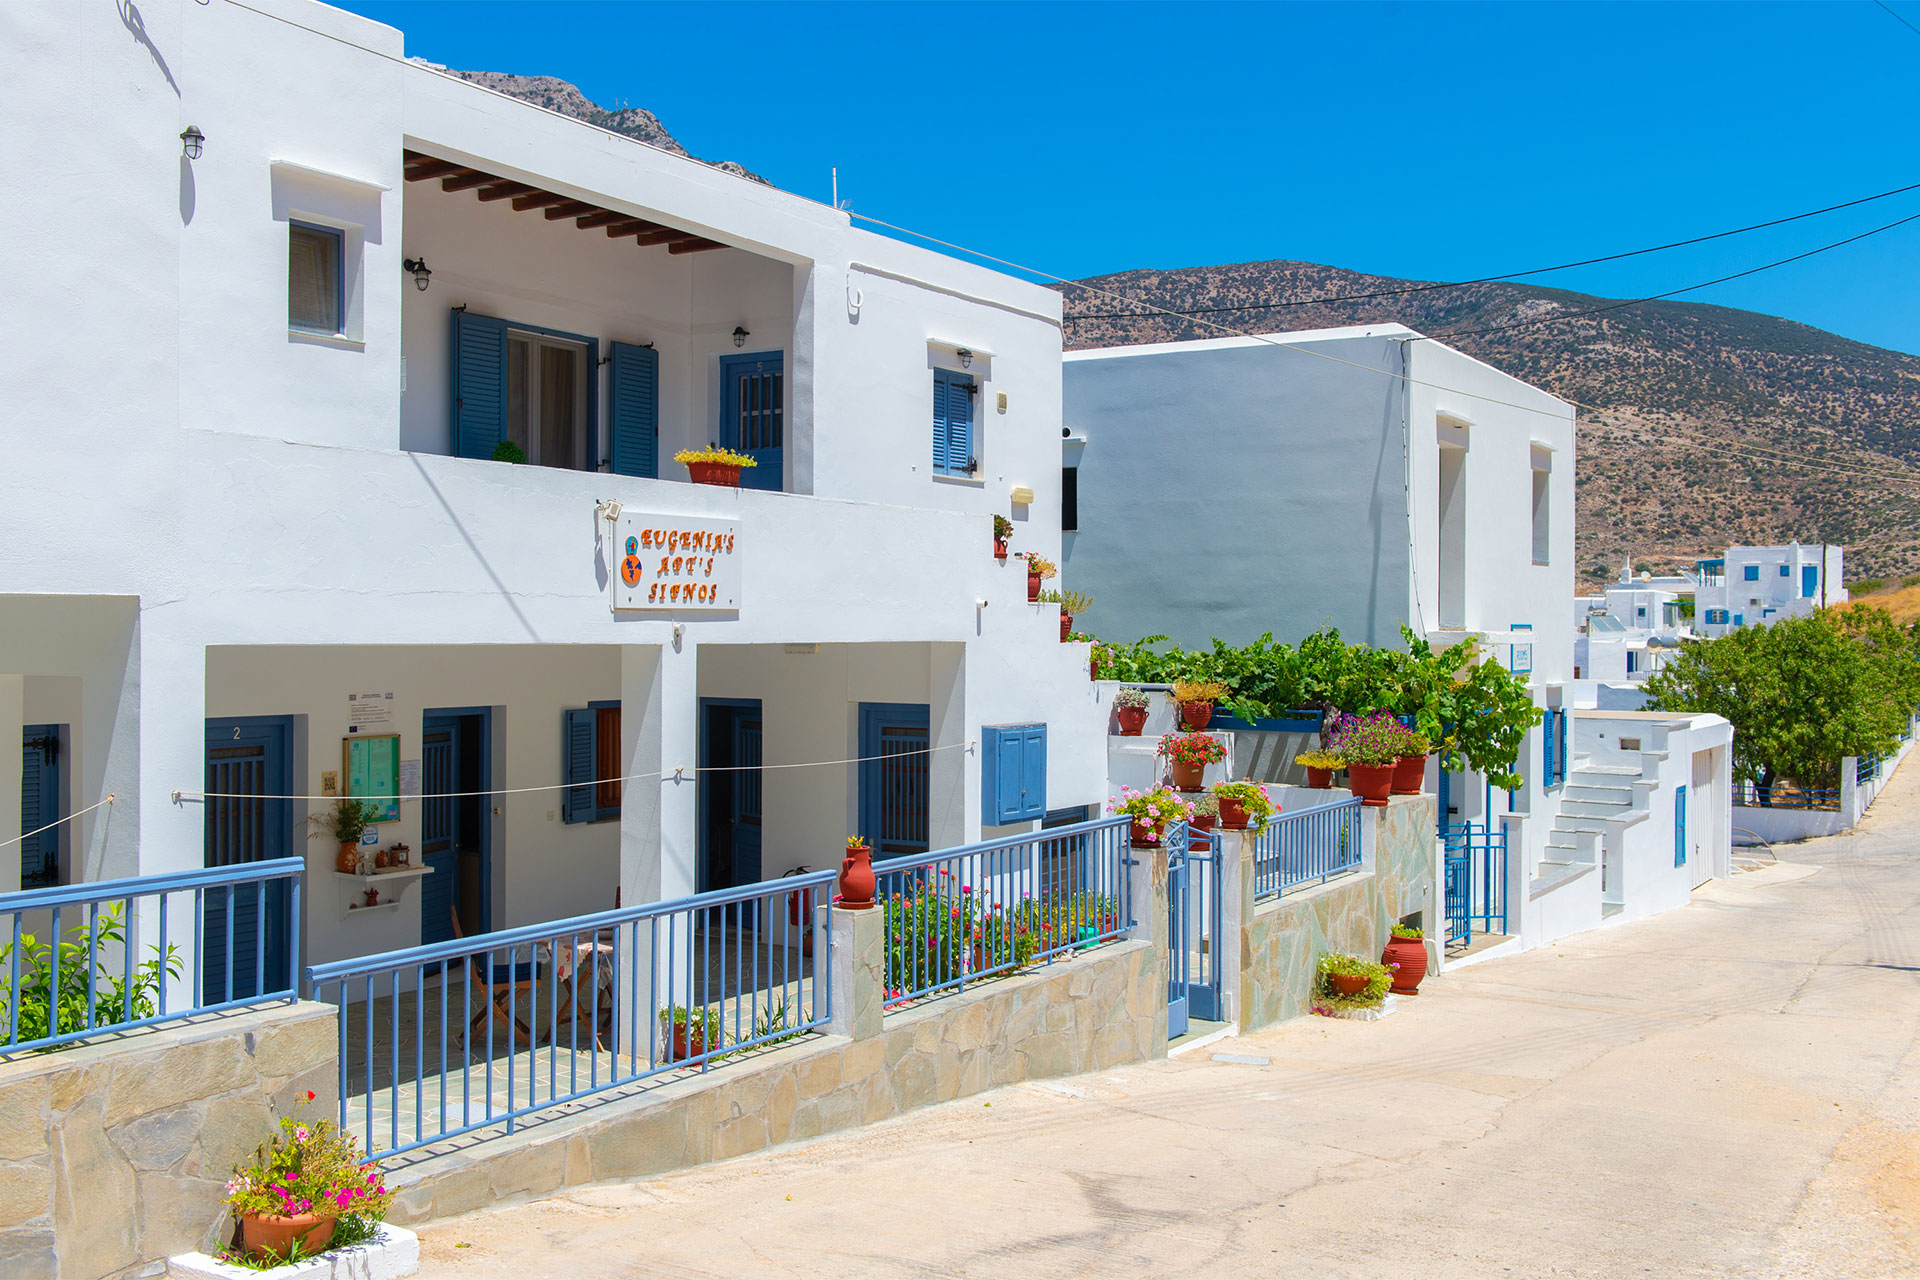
315 285
546 400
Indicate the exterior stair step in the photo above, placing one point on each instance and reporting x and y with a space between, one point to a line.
1594 808
1598 795
1608 770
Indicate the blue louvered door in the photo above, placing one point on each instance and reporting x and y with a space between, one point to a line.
40 806
479 392
244 930
953 414
744 805
893 778
753 415
439 826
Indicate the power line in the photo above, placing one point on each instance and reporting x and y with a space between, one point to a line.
1511 275
1897 18
1671 293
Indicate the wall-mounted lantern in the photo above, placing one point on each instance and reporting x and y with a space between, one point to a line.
966 358
740 336
192 141
421 274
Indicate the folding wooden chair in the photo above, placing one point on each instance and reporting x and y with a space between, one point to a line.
503 992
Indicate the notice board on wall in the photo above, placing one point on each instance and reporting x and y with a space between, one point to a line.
371 765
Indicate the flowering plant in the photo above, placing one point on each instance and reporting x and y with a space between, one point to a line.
1155 810
310 1166
714 453
1039 564
1378 977
1253 797
929 925
1185 691
1204 805
1002 528
856 842
1376 740
1317 760
1192 748
1408 932
1133 698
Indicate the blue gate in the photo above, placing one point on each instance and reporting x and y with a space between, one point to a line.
1194 935
1476 874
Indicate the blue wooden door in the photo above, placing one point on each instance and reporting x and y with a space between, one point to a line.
40 806
744 805
439 826
893 777
753 415
244 930
1809 581
1679 826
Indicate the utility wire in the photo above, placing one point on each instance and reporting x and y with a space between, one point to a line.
57 821
1511 275
1897 18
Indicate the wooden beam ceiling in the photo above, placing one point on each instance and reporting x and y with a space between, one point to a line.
455 176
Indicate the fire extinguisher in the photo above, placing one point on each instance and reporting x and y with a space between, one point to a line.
800 911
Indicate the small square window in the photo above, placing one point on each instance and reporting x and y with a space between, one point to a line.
1752 572
1785 572
316 279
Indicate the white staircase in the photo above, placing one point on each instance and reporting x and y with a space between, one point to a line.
1595 801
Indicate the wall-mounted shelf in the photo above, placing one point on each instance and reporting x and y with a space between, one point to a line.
393 885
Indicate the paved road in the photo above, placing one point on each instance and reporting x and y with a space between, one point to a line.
1731 1089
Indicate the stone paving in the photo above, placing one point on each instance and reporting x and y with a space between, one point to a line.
1730 1089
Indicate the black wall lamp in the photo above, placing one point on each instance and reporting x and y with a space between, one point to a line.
739 336
192 141
418 266
966 358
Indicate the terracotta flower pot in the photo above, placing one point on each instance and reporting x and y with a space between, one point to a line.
1409 774
1066 625
1196 715
1411 955
680 1041
724 474
1319 778
999 548
348 859
1186 777
1373 783
856 878
1132 720
1033 588
1199 825
1144 835
272 1234
1347 984
1233 814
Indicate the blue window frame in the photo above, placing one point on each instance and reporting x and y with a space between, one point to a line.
1013 766
1633 663
1785 572
590 763
316 279
953 451
1739 619
1809 581
1751 572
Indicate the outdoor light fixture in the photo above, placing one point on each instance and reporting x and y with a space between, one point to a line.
739 336
192 140
966 358
421 274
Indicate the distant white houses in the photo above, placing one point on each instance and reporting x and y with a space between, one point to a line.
1759 585
1625 633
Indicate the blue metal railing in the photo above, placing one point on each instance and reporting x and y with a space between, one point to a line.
1310 846
451 1037
1751 795
87 960
1196 936
956 916
1475 858
1865 768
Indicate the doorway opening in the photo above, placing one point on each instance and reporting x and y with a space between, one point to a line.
245 929
456 757
731 732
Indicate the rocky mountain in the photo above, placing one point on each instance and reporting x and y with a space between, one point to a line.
559 95
1707 425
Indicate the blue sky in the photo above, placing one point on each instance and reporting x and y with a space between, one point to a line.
1428 140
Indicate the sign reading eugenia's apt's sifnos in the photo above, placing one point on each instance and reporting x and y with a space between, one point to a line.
675 563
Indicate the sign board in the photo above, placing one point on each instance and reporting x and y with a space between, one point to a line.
372 768
370 712
675 564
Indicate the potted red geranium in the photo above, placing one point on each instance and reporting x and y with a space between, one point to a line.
1002 530
1188 755
1152 812
1244 806
1039 569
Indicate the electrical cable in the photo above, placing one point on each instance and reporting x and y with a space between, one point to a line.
1510 275
563 786
1897 18
57 821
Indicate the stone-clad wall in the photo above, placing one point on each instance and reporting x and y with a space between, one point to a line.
1102 1009
1283 939
114 1156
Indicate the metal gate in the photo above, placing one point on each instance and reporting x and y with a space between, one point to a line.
1476 867
1194 934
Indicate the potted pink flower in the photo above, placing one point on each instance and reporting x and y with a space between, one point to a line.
305 1190
1152 812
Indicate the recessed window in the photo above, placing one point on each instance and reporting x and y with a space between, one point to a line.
316 278
1751 572
1542 517
547 400
1069 499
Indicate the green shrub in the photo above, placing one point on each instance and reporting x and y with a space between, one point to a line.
112 993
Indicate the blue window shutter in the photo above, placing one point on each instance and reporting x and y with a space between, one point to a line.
1679 826
39 805
1785 572
1752 572
1739 619
479 384
1033 774
940 397
1009 767
960 425
1560 750
634 410
1546 748
576 766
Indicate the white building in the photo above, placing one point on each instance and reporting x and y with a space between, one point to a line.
1759 585
1626 633
256 396
1360 478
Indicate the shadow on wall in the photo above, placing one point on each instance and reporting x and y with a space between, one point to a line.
130 19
